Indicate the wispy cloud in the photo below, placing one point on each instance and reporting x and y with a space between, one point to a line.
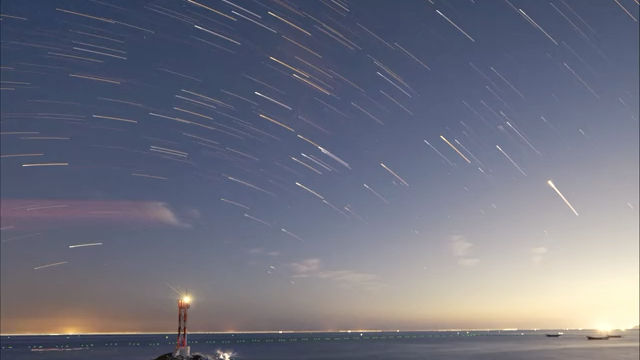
461 249
162 213
468 262
460 245
305 266
148 212
537 254
261 251
312 268
194 213
349 279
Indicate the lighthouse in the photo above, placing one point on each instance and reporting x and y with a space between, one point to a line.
182 348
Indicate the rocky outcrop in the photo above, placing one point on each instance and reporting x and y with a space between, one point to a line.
171 356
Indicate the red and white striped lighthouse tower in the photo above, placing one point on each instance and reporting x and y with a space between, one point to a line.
181 344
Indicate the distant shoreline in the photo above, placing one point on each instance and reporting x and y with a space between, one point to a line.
307 332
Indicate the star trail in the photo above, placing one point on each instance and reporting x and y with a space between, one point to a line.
137 133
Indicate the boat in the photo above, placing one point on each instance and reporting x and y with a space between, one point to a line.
553 335
615 336
606 337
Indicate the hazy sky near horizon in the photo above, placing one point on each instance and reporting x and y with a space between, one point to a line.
335 164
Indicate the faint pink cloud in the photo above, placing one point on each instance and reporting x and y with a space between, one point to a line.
62 211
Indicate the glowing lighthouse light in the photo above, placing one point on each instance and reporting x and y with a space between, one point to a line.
182 348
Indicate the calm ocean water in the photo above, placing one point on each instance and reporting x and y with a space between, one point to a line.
505 345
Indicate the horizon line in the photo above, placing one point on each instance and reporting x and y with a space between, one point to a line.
301 331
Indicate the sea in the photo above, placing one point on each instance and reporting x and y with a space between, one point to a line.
393 345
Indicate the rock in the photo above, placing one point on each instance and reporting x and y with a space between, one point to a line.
170 356
167 356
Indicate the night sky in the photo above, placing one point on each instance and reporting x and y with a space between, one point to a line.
331 164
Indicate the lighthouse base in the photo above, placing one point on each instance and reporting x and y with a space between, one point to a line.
184 351
175 356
